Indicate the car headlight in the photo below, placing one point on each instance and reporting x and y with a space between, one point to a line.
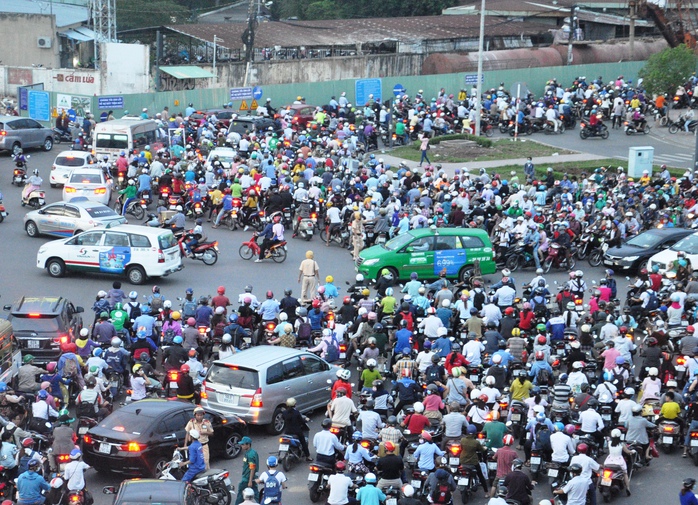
370 262
631 258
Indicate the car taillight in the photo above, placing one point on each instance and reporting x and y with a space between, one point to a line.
132 447
161 256
257 399
68 189
87 439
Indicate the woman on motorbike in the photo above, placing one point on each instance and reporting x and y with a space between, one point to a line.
357 456
616 450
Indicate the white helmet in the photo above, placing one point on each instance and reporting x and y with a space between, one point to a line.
359 278
101 294
371 363
283 316
84 332
446 303
167 304
418 407
475 394
580 273
490 380
343 374
653 372
615 433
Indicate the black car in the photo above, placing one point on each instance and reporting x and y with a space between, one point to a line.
148 491
247 124
42 323
139 439
633 254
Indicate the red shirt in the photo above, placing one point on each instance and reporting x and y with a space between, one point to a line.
526 318
341 384
453 360
220 301
417 423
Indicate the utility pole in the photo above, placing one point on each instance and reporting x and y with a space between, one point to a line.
478 85
158 58
248 37
571 35
631 30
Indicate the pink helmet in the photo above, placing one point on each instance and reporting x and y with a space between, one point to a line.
191 321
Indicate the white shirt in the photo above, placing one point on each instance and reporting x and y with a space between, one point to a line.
472 352
339 489
138 388
591 421
576 490
431 325
587 464
625 410
342 408
423 360
326 443
74 472
333 215
563 447
493 394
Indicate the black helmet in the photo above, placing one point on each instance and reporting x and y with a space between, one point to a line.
575 468
502 491
378 327
405 306
517 464
541 283
689 483
288 292
326 423
435 358
203 300
584 387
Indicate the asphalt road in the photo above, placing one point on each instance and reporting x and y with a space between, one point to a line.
20 277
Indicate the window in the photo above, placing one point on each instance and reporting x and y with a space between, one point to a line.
173 424
471 242
144 138
275 374
112 140
69 161
292 368
116 239
398 242
689 245
421 245
72 212
446 242
54 210
167 241
312 365
85 178
127 422
139 241
30 123
91 238
100 211
233 376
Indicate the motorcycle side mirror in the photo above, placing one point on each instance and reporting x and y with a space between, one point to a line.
7 307
79 309
509 424
627 278
347 283
109 490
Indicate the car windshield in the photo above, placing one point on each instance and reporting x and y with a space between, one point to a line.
38 324
233 376
127 422
225 158
70 161
398 242
100 211
689 245
644 240
82 178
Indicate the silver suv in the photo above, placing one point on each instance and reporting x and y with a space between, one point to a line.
22 132
254 384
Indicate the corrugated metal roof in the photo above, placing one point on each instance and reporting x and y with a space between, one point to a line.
348 32
66 15
81 33
187 72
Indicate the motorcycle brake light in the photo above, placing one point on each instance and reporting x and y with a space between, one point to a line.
578 301
314 468
365 444
680 361
87 439
334 430
75 498
607 474
694 434
173 375
62 458
454 449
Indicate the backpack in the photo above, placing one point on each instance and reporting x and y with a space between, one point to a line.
86 407
407 316
613 287
70 368
543 438
543 377
156 304
332 353
653 302
441 493
219 329
272 488
137 353
169 336
433 373
189 309
135 310
479 300
304 330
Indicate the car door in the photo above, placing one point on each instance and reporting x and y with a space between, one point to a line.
50 218
170 433
82 252
35 131
417 256
316 375
449 255
475 249
294 383
116 253
72 216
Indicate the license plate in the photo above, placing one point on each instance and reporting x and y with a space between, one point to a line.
474 378
454 461
516 417
667 440
535 461
3 214
391 501
82 430
342 355
607 262
104 448
491 465
33 344
604 247
684 323
313 477
463 481
606 417
605 482
560 352
173 385
226 481
694 443
416 484
41 201
309 232
680 368
230 399
552 472
283 447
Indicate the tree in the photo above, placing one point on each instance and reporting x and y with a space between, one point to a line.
666 71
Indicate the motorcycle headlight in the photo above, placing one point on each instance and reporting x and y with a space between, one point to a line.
371 262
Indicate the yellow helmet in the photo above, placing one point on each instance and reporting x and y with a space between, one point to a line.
516 332
136 367
329 204
176 315
329 278
365 292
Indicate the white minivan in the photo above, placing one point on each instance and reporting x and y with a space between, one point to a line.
112 137
136 251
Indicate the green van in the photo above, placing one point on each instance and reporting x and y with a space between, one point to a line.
428 251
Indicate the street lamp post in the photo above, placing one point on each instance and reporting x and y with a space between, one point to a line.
479 68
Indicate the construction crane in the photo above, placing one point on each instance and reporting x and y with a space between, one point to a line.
676 24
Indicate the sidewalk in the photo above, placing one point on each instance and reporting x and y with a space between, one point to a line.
476 165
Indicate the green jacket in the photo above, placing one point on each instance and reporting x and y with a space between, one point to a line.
129 191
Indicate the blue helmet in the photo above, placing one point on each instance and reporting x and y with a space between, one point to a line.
357 435
607 376
190 291
558 425
177 340
97 352
540 417
563 377
43 394
272 461
472 429
233 318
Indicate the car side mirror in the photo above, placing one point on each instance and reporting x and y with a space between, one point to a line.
42 211
79 309
7 307
109 490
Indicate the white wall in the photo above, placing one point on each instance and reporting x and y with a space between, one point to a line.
125 68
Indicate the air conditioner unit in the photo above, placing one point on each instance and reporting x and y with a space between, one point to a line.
43 42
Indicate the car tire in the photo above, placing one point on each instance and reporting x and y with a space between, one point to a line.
55 267
231 447
158 465
54 186
31 229
136 275
48 144
277 424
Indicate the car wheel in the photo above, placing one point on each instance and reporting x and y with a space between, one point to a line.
31 229
136 275
277 424
55 267
54 186
642 265
159 466
16 147
231 449
48 144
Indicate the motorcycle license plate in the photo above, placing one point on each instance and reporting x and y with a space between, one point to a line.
474 378
552 472
516 417
491 465
680 368
313 477
283 447
560 352
391 501
41 201
33 344
309 232
104 448
694 443
463 481
535 461
667 440
605 482
227 482
342 355
3 214
606 417
370 234
173 385
416 484
604 247
82 430
454 461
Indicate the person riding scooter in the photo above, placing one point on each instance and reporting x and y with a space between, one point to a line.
33 184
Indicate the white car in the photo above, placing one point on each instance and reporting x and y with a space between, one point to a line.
66 162
226 155
65 219
90 183
138 252
666 258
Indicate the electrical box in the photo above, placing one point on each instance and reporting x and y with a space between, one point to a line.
639 160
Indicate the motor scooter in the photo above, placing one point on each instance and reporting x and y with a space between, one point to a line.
3 212
35 198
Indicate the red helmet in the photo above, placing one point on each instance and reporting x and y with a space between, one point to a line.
316 304
483 398
690 329
270 294
426 436
509 311
508 439
540 355
582 448
192 353
340 466
542 341
347 300
221 290
623 329
184 368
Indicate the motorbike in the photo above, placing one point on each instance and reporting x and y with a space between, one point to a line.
290 451
693 446
213 482
680 124
612 482
203 251
170 385
19 176
631 127
518 418
536 463
520 256
3 211
306 227
669 435
585 131
554 258
115 381
418 481
36 198
7 485
250 249
318 479
61 136
84 425
339 235
557 473
549 128
136 207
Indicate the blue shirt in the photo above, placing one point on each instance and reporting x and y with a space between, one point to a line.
269 309
146 321
371 495
425 455
688 499
30 484
403 337
227 202
144 182
442 346
203 315
537 366
196 457
331 290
